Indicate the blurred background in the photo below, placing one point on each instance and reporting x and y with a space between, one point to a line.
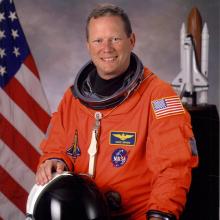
55 31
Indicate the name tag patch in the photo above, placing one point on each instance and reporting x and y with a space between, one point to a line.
122 138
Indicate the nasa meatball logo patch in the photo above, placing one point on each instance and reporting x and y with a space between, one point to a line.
119 157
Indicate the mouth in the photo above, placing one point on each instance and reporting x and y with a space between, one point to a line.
108 59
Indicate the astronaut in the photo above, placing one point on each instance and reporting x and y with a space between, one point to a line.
123 127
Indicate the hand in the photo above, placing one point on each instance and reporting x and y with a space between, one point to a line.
44 172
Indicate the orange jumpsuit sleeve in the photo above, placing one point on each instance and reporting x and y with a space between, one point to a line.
53 146
171 153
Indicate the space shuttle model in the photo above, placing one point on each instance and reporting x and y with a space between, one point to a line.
192 81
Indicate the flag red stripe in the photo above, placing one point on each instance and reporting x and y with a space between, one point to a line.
18 144
173 100
30 63
12 190
166 115
174 104
170 112
170 109
19 95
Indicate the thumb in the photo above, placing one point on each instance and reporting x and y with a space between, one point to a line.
60 167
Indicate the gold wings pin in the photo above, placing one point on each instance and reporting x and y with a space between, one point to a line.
123 136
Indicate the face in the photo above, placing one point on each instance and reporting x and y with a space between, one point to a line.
109 46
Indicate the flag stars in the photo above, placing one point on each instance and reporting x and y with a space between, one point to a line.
2 53
2 70
16 51
2 34
14 33
12 16
2 16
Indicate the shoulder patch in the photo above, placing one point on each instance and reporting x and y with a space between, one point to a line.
168 106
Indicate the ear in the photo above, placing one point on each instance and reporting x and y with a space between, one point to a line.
132 39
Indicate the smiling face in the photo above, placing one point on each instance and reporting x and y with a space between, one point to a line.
109 46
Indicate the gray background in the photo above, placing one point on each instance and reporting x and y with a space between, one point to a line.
55 33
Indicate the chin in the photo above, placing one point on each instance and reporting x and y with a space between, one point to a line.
107 75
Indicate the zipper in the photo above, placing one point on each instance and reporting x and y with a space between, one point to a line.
93 147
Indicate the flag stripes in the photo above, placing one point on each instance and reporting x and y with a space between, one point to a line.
16 167
30 63
167 106
27 103
20 120
8 210
33 86
12 190
24 116
15 140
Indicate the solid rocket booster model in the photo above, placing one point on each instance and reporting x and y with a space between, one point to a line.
192 81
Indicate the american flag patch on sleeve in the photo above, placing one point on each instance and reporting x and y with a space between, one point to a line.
167 106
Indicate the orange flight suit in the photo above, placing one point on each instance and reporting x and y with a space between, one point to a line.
146 149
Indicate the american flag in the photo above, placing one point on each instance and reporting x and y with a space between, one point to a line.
167 106
24 115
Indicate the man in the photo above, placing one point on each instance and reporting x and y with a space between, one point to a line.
123 126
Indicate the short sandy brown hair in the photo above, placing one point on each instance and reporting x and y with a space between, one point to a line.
109 10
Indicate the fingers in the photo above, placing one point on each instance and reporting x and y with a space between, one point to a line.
60 166
44 172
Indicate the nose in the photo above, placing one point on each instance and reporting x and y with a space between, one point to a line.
107 46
